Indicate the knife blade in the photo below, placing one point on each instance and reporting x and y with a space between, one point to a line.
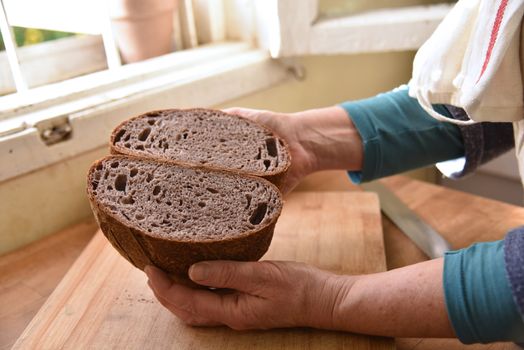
423 235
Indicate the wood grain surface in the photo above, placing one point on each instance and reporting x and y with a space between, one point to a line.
29 275
104 303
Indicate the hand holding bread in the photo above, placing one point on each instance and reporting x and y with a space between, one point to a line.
264 295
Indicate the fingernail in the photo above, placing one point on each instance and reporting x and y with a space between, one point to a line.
199 272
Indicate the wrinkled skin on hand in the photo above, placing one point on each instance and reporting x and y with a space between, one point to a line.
260 295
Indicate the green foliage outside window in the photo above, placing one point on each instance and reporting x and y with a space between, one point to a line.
29 36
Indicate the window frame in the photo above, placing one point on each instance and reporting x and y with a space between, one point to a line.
43 63
57 121
298 31
229 70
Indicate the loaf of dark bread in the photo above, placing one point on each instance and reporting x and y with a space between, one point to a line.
171 216
203 137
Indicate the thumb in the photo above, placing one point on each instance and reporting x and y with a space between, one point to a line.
247 113
246 277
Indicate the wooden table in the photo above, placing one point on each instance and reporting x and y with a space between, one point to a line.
28 276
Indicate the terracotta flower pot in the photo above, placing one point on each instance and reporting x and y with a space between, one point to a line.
142 28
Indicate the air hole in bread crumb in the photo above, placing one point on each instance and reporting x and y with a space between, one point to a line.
139 147
127 200
119 135
222 140
201 204
151 122
248 197
267 163
149 177
259 213
99 166
127 145
178 137
106 174
259 155
184 135
94 184
139 217
144 134
115 165
121 182
156 190
212 190
109 188
133 172
128 137
271 146
169 203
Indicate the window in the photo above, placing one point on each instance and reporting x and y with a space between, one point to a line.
53 115
337 26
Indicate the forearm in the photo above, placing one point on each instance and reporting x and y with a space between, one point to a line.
406 302
380 136
330 137
398 135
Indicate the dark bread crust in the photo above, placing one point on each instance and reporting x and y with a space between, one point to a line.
171 255
276 177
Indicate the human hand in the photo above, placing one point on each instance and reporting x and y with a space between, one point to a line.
267 294
318 139
285 126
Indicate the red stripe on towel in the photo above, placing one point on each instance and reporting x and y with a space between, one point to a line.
494 35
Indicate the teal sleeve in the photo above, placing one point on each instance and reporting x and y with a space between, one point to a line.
479 300
398 135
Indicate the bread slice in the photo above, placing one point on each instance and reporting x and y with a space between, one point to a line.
203 137
171 216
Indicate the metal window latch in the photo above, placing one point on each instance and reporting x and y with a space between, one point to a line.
54 130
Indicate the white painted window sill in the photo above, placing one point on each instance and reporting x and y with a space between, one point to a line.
92 105
377 31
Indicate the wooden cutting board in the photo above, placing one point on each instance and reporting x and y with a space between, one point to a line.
103 302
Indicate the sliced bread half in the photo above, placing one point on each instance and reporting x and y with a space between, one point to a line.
172 216
204 137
